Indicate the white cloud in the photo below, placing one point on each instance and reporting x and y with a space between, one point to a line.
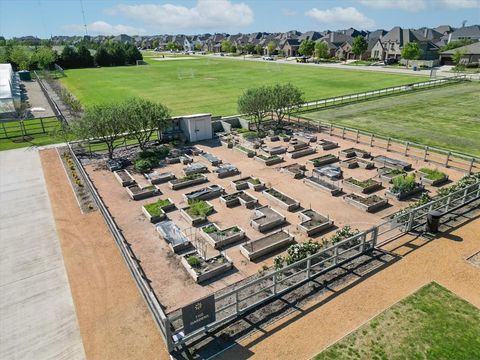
461 4
103 28
407 5
206 14
341 17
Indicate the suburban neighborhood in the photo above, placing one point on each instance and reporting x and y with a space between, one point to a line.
196 180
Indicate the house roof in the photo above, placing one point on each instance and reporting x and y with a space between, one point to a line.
472 49
403 36
336 39
310 35
444 29
471 32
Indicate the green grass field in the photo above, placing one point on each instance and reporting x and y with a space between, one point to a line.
213 85
446 117
431 324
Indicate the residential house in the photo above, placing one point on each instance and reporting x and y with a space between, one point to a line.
391 45
290 47
466 32
471 55
335 40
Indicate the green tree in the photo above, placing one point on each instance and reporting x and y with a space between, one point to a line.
283 99
20 57
359 46
411 51
321 50
258 49
104 122
198 46
226 46
249 48
457 57
171 46
143 118
85 58
44 57
271 47
306 47
456 44
102 56
155 43
256 103
132 54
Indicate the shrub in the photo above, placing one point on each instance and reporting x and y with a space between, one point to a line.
342 234
193 261
209 229
143 165
199 208
250 134
403 184
433 174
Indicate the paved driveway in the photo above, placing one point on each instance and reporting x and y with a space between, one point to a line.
37 314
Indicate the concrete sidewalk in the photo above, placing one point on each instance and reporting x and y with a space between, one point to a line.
37 314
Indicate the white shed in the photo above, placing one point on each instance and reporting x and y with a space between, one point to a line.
197 127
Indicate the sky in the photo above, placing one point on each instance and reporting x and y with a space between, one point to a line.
45 18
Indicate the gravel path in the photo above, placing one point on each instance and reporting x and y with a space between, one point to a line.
113 317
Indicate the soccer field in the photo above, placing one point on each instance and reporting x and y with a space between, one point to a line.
445 117
201 85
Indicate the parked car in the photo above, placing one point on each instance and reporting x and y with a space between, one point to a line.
268 58
390 61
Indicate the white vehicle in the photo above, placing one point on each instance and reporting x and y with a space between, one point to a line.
268 58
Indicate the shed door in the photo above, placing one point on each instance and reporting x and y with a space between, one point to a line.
202 130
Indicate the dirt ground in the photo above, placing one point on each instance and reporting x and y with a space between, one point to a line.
113 317
178 289
325 320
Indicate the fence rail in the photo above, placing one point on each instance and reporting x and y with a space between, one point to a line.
443 157
15 128
132 263
351 98
56 110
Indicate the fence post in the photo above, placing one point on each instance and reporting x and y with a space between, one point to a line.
237 302
371 140
465 193
374 237
388 143
447 159
4 130
335 255
275 283
358 133
471 165
343 133
406 148
41 122
447 205
309 263
425 154
410 221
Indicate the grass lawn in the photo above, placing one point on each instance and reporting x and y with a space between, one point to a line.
431 324
207 84
30 133
445 117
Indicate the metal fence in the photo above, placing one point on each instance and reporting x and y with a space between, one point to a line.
238 301
367 95
447 158
15 128
56 110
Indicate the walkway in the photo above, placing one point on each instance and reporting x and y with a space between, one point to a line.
322 322
37 314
